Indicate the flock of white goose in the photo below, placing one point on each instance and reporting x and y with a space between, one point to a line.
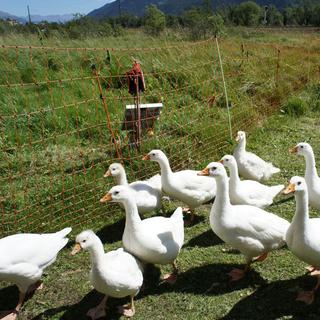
236 217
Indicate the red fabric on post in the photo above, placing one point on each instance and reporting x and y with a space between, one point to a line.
136 79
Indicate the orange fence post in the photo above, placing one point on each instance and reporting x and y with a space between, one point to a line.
105 107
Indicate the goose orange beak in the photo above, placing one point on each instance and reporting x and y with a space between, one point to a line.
221 161
106 198
146 157
107 174
237 138
76 249
204 172
294 149
289 189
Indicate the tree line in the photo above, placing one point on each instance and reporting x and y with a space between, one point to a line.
198 22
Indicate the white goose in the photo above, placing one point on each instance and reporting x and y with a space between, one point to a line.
184 185
156 240
250 165
24 257
311 175
303 237
248 192
251 230
147 193
116 273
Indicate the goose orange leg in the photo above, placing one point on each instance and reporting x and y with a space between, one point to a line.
238 274
128 310
171 278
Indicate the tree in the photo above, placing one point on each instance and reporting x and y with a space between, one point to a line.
154 20
200 25
274 17
207 7
247 14
315 20
215 24
289 17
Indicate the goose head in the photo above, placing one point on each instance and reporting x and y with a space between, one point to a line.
296 185
228 161
214 169
115 169
302 148
84 241
241 136
155 155
117 194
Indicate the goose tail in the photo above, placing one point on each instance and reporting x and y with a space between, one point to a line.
270 170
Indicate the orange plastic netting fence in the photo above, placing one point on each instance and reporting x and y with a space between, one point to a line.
63 118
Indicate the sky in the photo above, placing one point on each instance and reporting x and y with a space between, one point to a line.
47 7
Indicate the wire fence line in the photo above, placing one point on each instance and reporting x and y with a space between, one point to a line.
63 117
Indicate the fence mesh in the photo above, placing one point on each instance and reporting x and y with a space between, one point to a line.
62 113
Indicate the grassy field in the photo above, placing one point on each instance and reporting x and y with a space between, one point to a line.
55 148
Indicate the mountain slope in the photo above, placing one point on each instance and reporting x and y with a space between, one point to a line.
6 15
137 7
52 18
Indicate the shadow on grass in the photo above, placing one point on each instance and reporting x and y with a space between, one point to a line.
283 200
277 300
200 279
206 239
112 232
79 310
9 297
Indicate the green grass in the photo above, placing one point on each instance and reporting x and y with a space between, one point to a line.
55 147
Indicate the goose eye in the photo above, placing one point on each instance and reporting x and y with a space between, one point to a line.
84 241
299 183
214 168
113 169
153 154
301 147
227 159
117 192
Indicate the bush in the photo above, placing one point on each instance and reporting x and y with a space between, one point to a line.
155 20
201 25
247 14
295 107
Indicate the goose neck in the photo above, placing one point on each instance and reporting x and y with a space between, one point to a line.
241 147
302 211
132 214
310 164
96 252
234 176
222 200
165 167
121 178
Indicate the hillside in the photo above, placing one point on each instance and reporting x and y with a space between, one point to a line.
6 15
38 18
137 7
52 18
